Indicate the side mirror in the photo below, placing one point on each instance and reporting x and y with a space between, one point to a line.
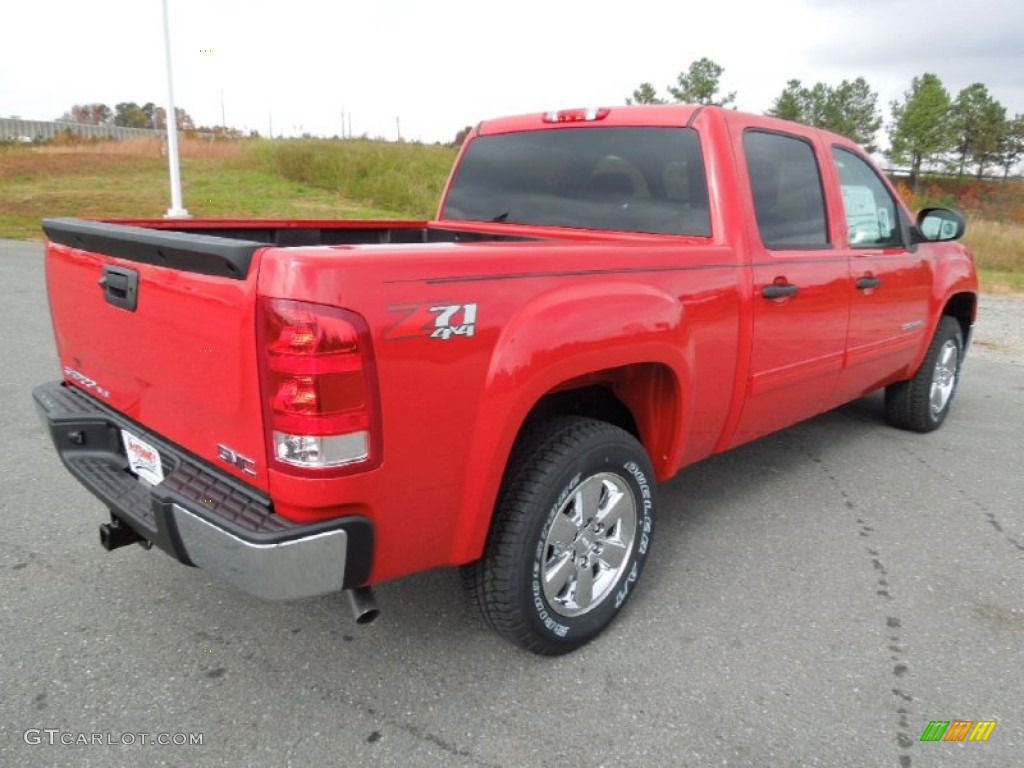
938 225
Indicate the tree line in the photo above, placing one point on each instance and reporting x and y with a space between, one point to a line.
128 114
928 128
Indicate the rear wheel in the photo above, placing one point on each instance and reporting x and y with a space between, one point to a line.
922 402
570 535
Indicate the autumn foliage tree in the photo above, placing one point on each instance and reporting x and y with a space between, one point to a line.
127 114
89 114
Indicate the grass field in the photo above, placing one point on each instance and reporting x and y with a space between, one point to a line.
999 249
339 180
268 179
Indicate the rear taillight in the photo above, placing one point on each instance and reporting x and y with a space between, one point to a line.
319 388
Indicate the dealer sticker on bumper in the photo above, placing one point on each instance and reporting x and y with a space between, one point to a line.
143 458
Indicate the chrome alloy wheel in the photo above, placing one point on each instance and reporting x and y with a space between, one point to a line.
944 377
589 544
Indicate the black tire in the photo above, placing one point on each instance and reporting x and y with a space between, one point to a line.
560 469
922 402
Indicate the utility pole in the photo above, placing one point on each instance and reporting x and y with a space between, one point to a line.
398 128
177 210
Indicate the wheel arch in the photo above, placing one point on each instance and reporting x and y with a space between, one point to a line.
645 399
964 307
611 348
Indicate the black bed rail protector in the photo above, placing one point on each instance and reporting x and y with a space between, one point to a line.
205 254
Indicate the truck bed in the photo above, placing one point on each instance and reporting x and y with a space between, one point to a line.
225 247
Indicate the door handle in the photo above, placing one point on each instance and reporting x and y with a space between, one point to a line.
863 283
779 290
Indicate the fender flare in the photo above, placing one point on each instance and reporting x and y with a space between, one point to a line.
556 337
953 277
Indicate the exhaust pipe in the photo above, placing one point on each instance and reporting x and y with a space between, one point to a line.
115 534
363 603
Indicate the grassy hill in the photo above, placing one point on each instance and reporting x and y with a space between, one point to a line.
274 179
339 179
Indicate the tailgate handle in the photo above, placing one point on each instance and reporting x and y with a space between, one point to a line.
120 287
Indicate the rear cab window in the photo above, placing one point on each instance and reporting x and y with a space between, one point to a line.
645 180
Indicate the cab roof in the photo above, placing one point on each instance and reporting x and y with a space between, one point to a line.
655 115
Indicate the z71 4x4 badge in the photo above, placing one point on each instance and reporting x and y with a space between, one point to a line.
435 321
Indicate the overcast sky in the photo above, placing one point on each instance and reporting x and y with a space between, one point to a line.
441 65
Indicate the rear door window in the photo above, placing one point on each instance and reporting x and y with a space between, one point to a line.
785 181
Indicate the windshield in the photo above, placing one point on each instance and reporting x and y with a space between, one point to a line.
628 179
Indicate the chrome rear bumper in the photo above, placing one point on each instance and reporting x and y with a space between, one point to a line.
200 515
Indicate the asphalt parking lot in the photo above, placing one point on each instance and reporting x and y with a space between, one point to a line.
813 599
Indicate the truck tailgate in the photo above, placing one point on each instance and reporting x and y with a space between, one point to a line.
160 326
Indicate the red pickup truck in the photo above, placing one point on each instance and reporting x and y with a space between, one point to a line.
606 296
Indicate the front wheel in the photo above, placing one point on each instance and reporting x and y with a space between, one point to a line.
922 402
571 532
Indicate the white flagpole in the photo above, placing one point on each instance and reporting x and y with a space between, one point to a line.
176 210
